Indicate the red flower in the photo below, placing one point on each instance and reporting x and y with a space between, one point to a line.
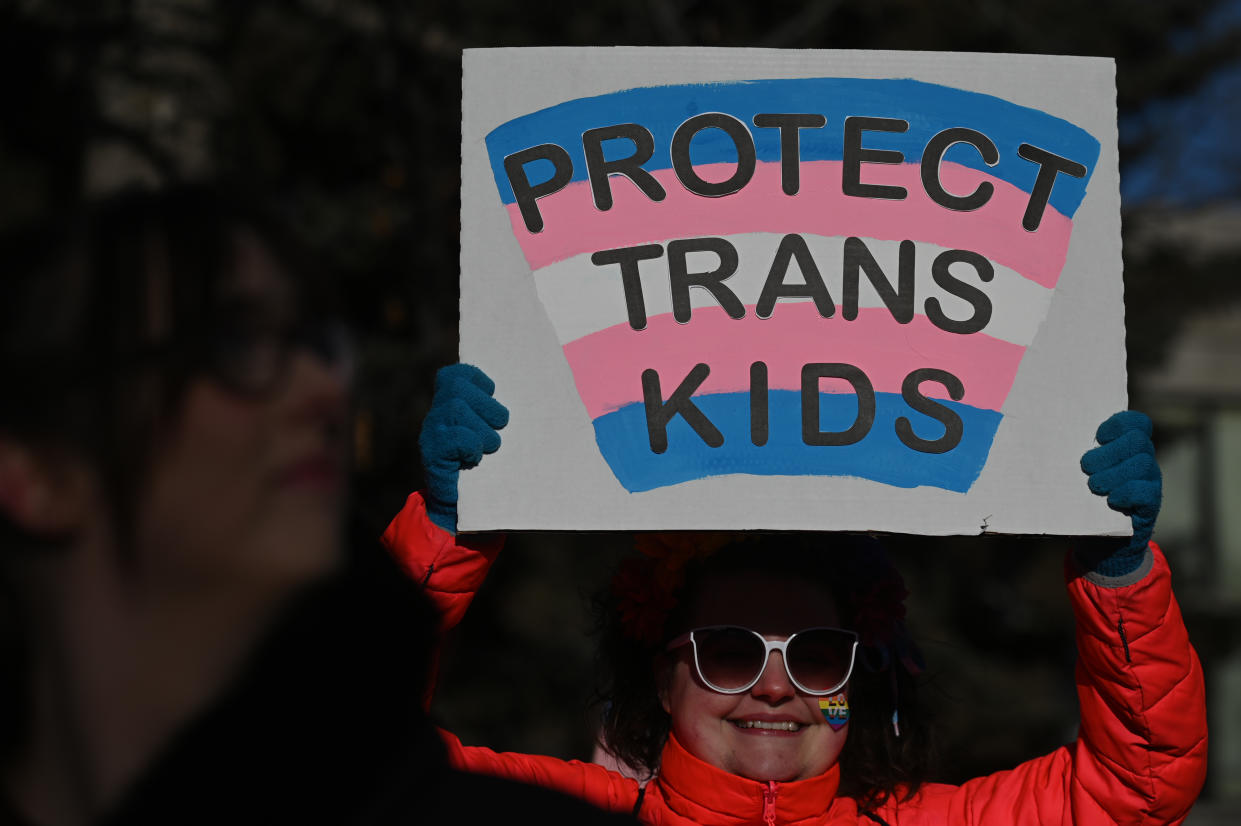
880 609
643 604
646 588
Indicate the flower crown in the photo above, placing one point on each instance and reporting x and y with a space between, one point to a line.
646 587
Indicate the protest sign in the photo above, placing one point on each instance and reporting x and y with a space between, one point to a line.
815 290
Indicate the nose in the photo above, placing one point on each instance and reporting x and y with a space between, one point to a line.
774 685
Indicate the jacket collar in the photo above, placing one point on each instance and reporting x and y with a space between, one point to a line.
708 795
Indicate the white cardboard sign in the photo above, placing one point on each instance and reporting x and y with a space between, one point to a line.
742 288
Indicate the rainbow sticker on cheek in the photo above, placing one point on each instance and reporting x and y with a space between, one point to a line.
835 710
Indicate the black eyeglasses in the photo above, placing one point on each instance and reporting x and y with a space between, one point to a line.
241 345
731 659
249 352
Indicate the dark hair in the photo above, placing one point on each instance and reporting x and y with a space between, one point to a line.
84 370
869 593
82 367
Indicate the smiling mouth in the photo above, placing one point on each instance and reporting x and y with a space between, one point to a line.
781 725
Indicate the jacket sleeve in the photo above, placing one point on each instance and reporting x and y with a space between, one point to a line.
590 782
451 568
1140 755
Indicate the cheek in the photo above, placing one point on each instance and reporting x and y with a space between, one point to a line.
832 733
218 449
222 432
696 711
206 486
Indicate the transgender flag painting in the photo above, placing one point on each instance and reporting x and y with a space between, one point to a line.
834 277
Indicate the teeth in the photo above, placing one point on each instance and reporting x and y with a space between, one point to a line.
788 725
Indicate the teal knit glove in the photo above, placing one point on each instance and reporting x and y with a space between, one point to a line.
1123 468
460 427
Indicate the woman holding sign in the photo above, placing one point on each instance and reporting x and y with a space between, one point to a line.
759 682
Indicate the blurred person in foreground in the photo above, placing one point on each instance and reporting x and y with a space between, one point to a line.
187 633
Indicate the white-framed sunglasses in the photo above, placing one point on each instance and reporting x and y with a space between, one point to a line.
730 659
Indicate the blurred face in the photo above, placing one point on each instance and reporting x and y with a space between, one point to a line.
250 489
773 731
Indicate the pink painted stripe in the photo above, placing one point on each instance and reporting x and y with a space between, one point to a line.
607 365
572 225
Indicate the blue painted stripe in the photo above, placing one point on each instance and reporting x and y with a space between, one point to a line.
881 456
929 108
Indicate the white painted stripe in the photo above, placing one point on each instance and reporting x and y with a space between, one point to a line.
582 298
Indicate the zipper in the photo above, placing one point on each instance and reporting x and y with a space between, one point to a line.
1124 639
769 803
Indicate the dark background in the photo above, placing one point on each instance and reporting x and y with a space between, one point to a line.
346 116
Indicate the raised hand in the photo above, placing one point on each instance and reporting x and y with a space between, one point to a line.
459 429
1123 468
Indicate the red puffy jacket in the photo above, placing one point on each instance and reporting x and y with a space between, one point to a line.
1139 758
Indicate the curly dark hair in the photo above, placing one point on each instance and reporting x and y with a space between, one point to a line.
876 763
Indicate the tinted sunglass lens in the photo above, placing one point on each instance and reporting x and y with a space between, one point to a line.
729 658
819 659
